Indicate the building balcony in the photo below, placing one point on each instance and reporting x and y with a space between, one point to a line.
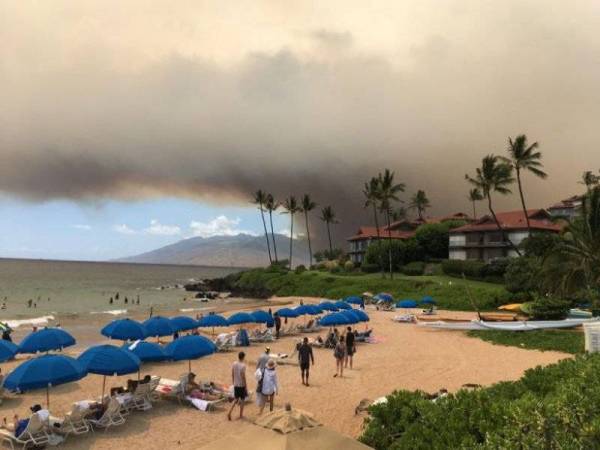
479 244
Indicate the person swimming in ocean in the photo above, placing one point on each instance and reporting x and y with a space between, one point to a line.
110 301
125 301
117 296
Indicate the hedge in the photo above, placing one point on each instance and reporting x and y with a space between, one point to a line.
555 407
413 268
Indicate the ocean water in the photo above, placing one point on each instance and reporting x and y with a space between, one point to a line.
65 288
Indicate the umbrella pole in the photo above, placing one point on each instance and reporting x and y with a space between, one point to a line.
103 387
139 375
189 366
48 397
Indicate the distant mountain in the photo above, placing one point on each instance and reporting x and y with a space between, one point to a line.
241 250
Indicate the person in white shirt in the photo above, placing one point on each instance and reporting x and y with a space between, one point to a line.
270 385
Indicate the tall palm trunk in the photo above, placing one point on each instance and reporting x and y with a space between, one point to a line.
387 213
420 211
474 211
523 201
291 236
329 235
504 236
273 235
310 254
262 215
378 240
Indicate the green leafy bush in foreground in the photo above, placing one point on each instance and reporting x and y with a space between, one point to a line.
555 407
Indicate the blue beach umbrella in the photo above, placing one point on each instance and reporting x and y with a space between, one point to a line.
146 351
408 303
342 305
327 306
334 319
213 320
45 340
385 297
124 330
287 312
363 316
260 316
349 314
8 350
184 323
302 310
190 347
354 299
428 300
159 326
240 318
44 372
314 310
108 360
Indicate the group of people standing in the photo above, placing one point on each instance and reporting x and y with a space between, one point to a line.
267 383
344 351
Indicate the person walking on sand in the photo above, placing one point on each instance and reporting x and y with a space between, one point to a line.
339 352
305 358
270 386
277 325
240 392
350 347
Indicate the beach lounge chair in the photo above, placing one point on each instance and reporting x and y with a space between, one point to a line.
139 398
213 389
111 417
225 342
170 389
73 423
364 337
262 336
34 435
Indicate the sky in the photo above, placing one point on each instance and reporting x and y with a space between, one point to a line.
128 125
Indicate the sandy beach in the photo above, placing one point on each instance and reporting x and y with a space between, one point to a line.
404 357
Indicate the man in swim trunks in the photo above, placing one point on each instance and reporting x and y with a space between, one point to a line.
305 359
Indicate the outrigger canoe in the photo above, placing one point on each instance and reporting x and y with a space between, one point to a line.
526 325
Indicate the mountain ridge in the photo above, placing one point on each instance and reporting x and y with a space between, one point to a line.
241 250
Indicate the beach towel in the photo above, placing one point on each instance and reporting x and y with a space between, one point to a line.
202 405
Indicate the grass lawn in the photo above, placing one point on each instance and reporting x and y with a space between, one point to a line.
449 293
567 341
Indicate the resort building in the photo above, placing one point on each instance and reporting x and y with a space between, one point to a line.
568 208
481 239
400 229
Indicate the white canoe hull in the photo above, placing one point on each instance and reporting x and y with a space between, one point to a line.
528 325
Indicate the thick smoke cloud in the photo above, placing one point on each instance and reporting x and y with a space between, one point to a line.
318 117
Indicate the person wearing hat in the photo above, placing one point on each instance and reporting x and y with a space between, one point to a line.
270 385
263 359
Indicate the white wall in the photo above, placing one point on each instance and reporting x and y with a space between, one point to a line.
457 254
517 237
457 240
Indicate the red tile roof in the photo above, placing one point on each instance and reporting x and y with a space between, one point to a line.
539 219
571 202
371 232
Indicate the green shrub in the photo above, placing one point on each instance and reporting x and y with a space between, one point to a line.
413 268
549 308
522 275
301 268
336 269
457 267
403 252
349 266
370 268
495 269
548 408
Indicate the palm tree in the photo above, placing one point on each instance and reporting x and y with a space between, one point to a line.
575 263
271 205
291 207
475 196
328 216
420 202
494 175
260 198
307 206
524 157
589 180
372 196
399 214
388 194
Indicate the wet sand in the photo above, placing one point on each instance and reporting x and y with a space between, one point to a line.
405 357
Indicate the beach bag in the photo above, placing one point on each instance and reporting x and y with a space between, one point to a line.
259 386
